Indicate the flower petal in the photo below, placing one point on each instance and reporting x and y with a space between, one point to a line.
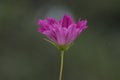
51 21
71 33
66 21
81 25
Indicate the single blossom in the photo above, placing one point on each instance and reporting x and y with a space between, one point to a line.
63 32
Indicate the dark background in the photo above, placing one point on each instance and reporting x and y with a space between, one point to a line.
24 55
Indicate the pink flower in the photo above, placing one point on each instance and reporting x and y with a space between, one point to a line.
62 32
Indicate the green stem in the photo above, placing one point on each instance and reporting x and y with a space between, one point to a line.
61 65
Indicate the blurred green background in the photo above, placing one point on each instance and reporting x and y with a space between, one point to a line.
24 55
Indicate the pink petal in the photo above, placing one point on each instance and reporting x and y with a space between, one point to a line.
72 34
66 21
82 25
60 35
51 21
